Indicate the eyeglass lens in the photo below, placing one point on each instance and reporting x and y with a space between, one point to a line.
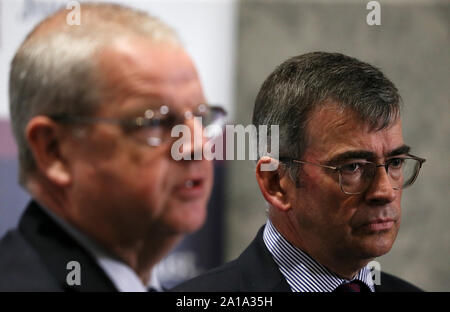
401 173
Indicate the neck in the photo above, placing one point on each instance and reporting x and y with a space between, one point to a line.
143 255
342 265
140 249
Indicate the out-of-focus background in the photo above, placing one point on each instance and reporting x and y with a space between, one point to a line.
236 44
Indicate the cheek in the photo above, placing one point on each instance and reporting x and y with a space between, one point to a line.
331 204
151 176
208 167
338 212
311 204
141 172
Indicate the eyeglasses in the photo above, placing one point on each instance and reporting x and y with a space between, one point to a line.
155 126
356 177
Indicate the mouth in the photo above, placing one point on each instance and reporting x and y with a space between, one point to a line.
377 225
193 183
192 188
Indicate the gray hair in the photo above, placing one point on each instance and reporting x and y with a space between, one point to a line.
54 70
304 83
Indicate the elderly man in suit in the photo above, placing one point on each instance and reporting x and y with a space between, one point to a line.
334 199
92 108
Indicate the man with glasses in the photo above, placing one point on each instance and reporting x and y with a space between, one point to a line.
92 108
334 200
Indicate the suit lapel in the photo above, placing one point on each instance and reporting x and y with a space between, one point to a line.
56 249
259 272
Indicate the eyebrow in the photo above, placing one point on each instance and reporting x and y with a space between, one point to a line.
404 149
142 104
363 154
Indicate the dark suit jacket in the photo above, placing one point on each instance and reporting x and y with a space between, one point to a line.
256 271
34 257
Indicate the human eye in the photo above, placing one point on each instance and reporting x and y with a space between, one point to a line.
152 132
165 122
139 124
352 167
146 130
396 163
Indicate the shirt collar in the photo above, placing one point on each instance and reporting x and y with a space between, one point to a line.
303 273
122 276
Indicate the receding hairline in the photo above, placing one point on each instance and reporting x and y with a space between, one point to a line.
57 63
113 19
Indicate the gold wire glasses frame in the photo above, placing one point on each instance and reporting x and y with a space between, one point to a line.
356 177
156 124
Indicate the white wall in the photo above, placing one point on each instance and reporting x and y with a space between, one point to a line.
206 27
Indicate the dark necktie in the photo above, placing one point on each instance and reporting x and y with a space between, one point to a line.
353 286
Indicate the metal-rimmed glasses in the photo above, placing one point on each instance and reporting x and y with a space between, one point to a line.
356 177
154 127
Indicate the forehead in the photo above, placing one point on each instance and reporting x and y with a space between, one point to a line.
141 74
332 131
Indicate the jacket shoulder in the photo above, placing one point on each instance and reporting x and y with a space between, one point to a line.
253 271
391 283
221 279
21 268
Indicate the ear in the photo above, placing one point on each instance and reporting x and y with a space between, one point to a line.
274 184
44 137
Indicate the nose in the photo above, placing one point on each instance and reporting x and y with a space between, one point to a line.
380 191
197 140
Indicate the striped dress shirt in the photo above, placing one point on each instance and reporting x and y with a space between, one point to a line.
303 273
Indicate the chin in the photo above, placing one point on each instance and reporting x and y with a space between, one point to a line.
377 246
183 228
189 220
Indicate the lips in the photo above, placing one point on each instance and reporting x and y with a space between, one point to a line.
380 224
191 188
192 183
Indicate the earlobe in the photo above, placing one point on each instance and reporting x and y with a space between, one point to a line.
58 173
273 185
44 139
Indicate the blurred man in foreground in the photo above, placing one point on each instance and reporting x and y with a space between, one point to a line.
334 201
92 108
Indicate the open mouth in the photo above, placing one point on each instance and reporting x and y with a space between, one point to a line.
192 183
191 189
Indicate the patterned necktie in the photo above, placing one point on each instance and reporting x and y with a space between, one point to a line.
353 286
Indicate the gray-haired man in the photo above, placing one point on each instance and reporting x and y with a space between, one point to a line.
334 201
92 107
